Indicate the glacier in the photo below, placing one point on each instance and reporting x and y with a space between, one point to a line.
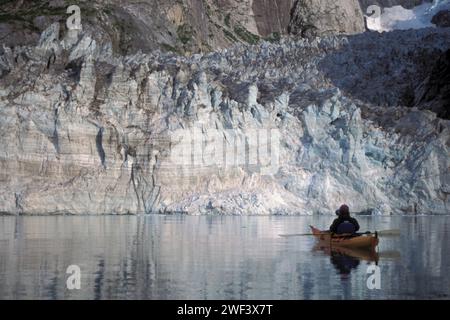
86 131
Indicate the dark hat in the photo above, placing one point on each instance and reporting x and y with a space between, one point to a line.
344 210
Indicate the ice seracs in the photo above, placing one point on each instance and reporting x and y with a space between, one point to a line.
83 132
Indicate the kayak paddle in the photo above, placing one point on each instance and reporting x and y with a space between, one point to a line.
386 233
383 233
296 235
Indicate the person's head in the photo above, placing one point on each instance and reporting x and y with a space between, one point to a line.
344 211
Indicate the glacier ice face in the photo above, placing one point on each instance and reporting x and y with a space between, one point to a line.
83 131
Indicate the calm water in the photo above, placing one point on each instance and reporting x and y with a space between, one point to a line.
183 257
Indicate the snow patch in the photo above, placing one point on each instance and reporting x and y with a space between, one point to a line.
399 18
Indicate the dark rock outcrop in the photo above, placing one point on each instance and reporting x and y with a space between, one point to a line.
272 16
442 19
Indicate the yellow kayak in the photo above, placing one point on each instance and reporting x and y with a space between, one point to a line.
367 241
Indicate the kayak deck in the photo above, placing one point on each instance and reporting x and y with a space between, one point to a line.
369 241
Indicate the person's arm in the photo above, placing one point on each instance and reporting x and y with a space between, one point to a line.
355 222
334 225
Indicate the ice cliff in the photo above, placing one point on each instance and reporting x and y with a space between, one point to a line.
86 131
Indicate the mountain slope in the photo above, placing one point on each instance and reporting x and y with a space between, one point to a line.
185 26
182 26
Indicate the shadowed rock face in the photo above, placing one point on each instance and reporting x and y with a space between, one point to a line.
323 17
86 131
272 16
442 19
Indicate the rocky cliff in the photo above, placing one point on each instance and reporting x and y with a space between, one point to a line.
322 17
181 26
185 26
87 131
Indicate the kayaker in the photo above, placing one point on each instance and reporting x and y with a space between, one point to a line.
344 223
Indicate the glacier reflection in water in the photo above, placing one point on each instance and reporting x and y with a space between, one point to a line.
205 257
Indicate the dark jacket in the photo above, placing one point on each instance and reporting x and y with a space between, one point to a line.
341 219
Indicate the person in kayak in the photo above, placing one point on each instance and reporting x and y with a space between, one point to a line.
344 223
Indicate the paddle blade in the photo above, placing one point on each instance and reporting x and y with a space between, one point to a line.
389 255
389 233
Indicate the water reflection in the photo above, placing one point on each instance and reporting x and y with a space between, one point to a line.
180 257
345 259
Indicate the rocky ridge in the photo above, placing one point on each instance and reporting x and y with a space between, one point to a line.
184 26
